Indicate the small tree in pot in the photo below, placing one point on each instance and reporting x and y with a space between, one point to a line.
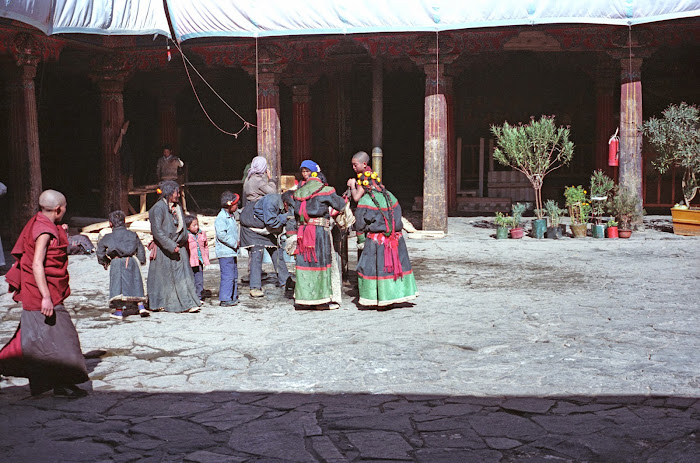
601 187
555 213
676 137
517 210
535 149
624 207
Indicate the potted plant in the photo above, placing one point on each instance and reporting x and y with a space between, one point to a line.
539 226
535 149
516 230
624 208
601 186
579 209
611 230
676 138
502 224
554 230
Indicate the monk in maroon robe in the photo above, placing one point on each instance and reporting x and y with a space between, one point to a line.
45 347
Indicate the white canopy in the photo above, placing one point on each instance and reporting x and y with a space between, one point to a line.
260 18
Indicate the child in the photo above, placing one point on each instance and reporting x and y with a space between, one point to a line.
199 252
117 250
227 243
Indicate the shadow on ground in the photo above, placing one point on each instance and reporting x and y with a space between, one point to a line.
292 427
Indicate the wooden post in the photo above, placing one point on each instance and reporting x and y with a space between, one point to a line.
377 102
481 167
630 121
301 123
167 118
24 179
435 151
268 122
605 123
110 76
458 162
451 161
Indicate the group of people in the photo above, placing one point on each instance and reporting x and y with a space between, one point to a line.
45 347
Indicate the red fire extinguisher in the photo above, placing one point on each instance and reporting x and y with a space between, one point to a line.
613 149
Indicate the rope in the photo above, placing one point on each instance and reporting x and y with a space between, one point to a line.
185 62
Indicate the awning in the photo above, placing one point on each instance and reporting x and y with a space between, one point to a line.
261 18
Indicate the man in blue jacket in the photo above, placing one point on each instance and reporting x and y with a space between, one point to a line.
262 223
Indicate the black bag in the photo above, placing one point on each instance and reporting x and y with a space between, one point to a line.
80 244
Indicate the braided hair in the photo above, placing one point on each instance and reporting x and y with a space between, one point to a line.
375 184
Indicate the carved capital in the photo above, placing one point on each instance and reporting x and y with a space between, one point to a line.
26 50
263 69
433 59
630 70
301 93
110 72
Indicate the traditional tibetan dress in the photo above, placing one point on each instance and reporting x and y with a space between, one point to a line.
317 262
384 273
122 250
170 279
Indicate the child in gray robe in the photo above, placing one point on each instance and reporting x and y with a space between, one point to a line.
119 251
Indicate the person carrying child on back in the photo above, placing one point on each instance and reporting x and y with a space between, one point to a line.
121 251
227 244
199 252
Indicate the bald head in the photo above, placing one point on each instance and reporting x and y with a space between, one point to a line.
361 156
51 199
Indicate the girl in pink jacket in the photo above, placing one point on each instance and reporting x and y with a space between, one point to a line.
199 252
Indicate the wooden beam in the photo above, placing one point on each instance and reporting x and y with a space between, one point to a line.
100 225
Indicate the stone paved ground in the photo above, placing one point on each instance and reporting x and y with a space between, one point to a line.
516 350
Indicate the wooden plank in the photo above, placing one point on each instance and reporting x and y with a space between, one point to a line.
100 225
427 235
215 182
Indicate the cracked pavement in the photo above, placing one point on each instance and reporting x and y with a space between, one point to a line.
516 350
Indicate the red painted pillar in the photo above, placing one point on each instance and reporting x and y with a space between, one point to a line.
110 77
268 122
24 179
301 123
605 121
167 121
435 150
630 121
451 152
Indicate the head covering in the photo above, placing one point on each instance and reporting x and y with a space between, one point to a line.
258 166
309 164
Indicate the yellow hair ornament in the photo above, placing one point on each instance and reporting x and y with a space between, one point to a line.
374 175
365 182
159 191
314 174
367 173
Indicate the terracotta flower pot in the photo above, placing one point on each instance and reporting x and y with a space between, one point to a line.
579 229
624 233
516 233
611 232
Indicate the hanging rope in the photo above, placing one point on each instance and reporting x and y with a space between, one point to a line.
185 62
